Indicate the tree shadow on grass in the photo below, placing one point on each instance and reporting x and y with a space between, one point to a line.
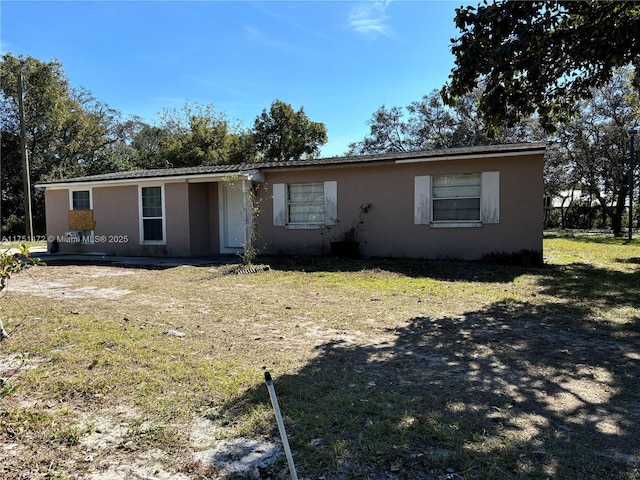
600 238
512 390
508 391
447 270
631 260
581 284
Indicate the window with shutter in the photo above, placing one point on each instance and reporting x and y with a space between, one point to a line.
305 205
469 199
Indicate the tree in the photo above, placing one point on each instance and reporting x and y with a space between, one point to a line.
593 147
67 129
540 56
389 132
429 123
147 142
282 134
560 182
195 135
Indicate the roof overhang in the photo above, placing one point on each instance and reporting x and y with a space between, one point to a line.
475 156
251 175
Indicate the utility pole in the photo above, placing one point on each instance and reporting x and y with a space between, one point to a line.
26 178
633 131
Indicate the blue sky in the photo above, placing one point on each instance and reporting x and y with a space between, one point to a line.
339 60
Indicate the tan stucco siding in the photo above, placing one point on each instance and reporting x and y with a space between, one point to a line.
56 213
115 211
389 226
177 219
191 220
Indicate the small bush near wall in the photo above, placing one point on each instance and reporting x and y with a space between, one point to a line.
523 258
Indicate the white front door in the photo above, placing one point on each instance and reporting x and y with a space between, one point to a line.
232 217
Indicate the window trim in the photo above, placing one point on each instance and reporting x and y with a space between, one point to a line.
461 222
141 218
80 189
289 203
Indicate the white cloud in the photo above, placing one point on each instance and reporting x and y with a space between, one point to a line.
370 18
260 38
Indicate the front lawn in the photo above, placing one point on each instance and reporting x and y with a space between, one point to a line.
383 369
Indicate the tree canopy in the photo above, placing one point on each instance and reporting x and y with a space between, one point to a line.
195 135
66 129
428 123
540 56
590 152
282 134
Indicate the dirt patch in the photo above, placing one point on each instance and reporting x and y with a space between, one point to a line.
109 449
240 457
39 284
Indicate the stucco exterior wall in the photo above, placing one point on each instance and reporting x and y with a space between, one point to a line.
56 213
193 223
389 229
115 211
177 219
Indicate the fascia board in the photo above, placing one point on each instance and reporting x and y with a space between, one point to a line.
215 177
446 158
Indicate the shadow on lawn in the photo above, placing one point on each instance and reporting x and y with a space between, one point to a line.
513 390
583 285
447 270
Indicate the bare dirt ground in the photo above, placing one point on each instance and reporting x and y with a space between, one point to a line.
446 374
108 443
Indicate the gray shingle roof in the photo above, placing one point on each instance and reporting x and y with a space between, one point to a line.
246 167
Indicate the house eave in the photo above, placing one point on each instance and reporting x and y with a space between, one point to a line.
188 178
472 156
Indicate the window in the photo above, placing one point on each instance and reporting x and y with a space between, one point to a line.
80 200
456 198
152 215
81 223
305 205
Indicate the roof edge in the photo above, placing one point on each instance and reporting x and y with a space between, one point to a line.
218 172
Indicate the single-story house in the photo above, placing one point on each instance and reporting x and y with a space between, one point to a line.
449 203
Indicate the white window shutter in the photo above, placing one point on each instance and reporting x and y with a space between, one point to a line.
490 197
422 200
279 204
330 203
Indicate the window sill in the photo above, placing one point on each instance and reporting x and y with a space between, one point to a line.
456 224
304 226
153 242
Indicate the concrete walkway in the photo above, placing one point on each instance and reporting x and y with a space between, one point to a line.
98 258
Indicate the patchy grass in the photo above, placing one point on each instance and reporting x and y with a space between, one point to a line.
7 245
384 369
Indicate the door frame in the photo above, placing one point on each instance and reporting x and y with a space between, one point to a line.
240 189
